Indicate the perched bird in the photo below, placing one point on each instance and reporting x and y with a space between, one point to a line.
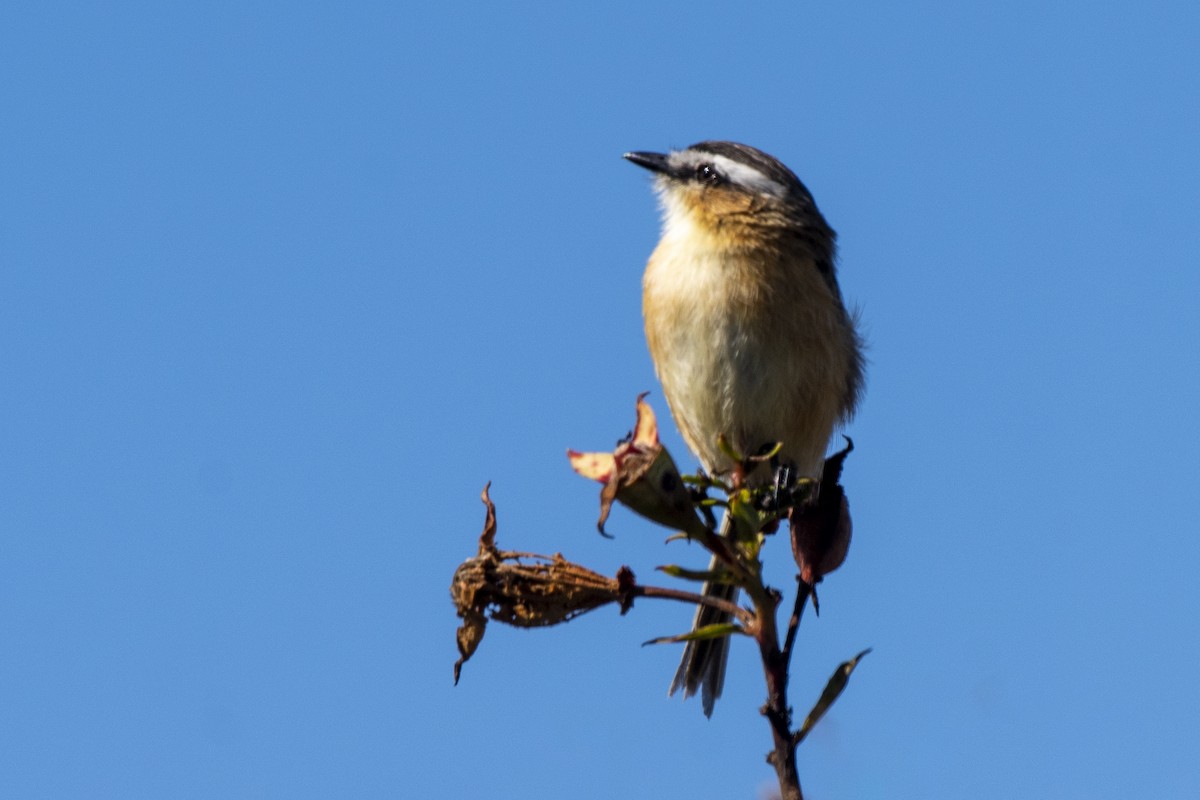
747 329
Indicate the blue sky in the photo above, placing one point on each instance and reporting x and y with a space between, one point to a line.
280 290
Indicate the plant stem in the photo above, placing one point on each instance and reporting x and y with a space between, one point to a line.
776 709
765 629
733 609
803 590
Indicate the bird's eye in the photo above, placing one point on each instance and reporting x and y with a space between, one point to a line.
707 173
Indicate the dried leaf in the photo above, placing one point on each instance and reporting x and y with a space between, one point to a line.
487 540
595 466
463 590
469 635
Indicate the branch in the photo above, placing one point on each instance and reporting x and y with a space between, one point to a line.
803 590
777 711
733 609
528 590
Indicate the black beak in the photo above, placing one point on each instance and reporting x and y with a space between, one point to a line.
655 162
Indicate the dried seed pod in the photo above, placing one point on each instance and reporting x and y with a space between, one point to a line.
821 528
525 590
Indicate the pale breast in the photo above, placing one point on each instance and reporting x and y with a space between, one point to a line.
755 351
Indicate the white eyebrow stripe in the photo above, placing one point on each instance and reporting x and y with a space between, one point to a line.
746 176
743 175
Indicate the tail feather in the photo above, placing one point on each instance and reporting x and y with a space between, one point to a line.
702 667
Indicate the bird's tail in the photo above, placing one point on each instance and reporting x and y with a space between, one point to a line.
703 664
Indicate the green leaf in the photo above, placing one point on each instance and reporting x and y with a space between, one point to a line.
726 447
714 575
837 683
707 482
714 631
768 455
747 521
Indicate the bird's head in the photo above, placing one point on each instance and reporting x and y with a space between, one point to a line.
730 190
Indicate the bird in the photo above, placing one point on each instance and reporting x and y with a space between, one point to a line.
750 337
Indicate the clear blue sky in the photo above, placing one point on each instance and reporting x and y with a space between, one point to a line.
281 288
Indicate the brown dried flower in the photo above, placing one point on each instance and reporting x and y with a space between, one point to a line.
641 474
525 590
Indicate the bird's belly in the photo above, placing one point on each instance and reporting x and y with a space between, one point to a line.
749 368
